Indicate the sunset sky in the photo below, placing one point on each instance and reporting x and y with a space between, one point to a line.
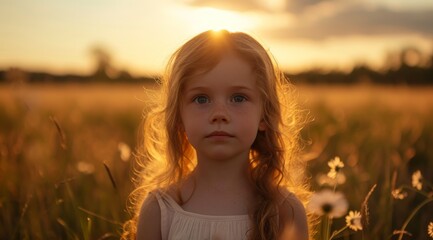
140 35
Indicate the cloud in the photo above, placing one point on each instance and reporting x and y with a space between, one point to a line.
358 20
299 6
238 5
292 6
318 19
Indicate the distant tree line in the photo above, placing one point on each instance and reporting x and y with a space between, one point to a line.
406 75
15 75
408 67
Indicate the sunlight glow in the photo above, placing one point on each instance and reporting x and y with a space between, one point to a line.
207 18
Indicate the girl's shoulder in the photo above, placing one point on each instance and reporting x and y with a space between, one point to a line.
149 219
292 215
288 196
151 214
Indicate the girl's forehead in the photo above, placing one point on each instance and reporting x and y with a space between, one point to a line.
230 70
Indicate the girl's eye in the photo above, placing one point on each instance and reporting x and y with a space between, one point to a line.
201 99
239 98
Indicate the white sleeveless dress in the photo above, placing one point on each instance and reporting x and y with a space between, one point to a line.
178 224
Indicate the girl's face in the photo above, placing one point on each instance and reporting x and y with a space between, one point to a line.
221 110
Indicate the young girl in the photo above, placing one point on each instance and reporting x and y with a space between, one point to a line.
220 154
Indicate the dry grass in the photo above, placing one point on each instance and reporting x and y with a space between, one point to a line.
62 176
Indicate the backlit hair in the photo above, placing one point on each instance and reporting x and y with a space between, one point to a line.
166 157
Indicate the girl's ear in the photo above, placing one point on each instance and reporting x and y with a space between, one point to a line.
262 125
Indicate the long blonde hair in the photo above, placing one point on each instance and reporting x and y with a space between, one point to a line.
166 157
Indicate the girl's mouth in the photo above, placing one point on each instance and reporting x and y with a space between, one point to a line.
219 134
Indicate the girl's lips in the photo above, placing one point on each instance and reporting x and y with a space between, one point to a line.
219 134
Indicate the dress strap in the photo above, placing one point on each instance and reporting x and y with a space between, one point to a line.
286 193
164 214
170 202
167 206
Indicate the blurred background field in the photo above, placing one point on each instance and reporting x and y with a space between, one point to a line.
66 155
72 80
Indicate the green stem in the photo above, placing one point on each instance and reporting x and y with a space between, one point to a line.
335 233
402 230
325 227
414 189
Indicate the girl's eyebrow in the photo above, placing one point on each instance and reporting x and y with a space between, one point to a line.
196 88
242 88
204 88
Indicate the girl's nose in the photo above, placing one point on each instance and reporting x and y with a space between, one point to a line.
219 114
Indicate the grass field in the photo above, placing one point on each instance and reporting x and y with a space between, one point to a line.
65 172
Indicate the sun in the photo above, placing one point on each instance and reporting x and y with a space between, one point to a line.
208 18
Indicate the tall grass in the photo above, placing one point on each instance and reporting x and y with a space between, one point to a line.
58 165
383 143
62 175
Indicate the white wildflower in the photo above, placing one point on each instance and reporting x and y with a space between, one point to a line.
125 151
353 220
327 202
335 165
417 180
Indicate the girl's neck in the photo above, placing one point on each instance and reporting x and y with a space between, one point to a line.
218 188
221 179
222 174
